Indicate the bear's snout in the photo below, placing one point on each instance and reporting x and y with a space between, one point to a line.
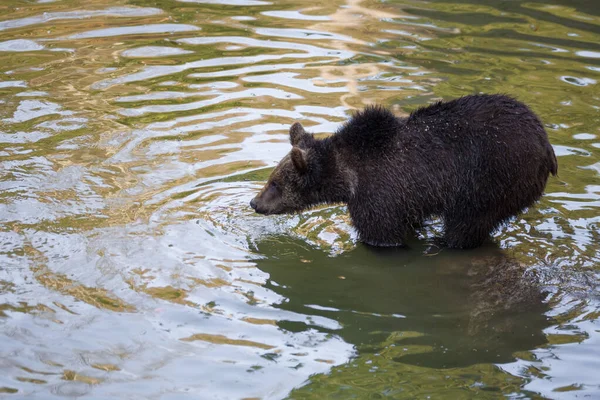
258 206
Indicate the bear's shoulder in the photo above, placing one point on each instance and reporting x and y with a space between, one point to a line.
369 128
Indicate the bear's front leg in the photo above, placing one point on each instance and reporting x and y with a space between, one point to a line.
380 244
376 227
466 231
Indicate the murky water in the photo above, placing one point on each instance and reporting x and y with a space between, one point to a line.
134 133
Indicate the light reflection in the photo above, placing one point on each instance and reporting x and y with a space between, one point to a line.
19 45
154 51
296 15
79 14
133 30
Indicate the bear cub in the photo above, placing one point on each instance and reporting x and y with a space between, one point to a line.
475 162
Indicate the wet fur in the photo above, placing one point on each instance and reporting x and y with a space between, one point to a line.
475 161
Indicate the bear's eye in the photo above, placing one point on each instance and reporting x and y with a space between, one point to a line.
274 185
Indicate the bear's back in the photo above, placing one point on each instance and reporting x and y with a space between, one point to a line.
475 117
373 130
471 132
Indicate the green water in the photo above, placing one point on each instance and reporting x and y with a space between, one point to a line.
134 133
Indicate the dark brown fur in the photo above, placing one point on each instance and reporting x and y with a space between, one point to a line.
475 161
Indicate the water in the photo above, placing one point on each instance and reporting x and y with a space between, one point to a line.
134 133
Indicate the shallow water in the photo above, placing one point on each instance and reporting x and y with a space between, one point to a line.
134 133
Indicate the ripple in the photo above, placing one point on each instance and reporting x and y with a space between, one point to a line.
154 51
81 14
310 50
559 367
314 114
246 70
288 79
562 151
551 48
584 136
295 15
303 51
214 85
11 84
23 137
20 45
578 81
302 34
426 25
230 2
588 54
578 201
407 34
163 96
243 18
30 207
32 94
32 109
248 93
134 30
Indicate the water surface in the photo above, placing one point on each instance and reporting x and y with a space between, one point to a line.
134 133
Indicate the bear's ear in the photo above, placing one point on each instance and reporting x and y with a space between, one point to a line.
297 132
299 159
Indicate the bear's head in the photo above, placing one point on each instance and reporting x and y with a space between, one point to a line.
293 185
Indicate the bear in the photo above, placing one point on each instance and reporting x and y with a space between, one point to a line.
474 162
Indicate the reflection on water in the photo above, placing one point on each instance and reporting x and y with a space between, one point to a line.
132 136
447 309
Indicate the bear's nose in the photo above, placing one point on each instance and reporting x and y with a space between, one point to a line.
253 204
